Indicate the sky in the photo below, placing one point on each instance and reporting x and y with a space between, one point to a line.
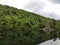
47 8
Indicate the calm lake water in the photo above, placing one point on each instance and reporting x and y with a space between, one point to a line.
51 42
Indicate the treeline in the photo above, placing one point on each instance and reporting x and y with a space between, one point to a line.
19 27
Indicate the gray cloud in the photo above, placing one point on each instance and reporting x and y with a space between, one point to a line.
56 1
35 6
38 7
51 15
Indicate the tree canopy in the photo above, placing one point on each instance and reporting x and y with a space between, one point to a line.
20 27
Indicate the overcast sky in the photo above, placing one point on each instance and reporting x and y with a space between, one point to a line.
48 8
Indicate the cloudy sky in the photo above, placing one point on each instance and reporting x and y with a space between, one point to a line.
47 8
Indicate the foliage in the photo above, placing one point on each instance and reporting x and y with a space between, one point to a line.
20 27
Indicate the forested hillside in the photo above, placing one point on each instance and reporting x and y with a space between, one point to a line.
20 27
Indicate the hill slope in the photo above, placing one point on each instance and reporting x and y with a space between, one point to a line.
19 27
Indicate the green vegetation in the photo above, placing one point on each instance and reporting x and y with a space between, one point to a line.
19 27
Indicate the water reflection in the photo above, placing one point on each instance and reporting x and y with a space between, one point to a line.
51 42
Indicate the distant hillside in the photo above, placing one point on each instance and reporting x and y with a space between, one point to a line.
20 27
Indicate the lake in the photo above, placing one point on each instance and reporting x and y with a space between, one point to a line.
51 42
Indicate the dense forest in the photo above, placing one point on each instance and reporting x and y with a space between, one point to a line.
20 27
